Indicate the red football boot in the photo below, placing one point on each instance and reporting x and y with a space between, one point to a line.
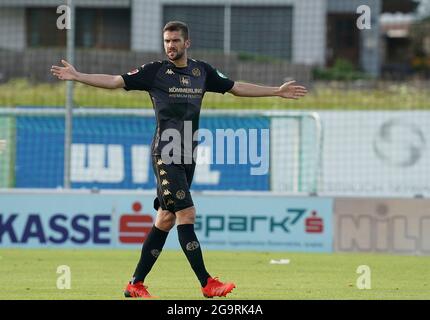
137 290
215 288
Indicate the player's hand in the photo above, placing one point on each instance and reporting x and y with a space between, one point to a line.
291 91
68 72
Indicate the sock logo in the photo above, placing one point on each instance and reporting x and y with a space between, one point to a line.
155 253
193 245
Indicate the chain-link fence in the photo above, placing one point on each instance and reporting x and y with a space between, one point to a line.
362 128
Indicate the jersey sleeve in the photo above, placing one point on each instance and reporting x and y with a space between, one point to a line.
216 81
141 78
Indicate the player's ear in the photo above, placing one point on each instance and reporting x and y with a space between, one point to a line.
187 43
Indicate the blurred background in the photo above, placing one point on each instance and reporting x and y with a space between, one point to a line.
348 166
362 129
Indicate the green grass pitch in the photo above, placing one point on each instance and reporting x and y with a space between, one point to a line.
102 274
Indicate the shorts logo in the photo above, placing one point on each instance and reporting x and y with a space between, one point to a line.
196 72
160 162
185 81
167 192
164 182
162 172
193 245
180 194
155 253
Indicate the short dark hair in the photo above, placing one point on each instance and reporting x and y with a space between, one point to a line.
177 26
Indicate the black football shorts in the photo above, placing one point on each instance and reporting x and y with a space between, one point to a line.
173 185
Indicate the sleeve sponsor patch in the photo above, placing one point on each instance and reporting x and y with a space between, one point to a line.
133 72
221 75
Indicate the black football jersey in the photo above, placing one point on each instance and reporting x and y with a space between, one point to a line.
176 95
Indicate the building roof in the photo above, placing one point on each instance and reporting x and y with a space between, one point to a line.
404 6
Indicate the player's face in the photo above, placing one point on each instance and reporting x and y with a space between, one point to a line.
175 45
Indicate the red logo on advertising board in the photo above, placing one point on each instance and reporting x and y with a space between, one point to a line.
314 224
134 228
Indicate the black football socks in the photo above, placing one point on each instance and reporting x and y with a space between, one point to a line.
191 247
151 249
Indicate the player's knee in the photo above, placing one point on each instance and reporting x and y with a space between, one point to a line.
186 216
165 220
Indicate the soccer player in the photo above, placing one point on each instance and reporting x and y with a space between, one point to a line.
176 87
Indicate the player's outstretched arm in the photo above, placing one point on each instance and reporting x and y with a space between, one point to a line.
288 90
68 72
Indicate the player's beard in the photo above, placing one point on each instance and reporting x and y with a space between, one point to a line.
179 55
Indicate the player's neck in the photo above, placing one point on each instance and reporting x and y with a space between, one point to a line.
181 63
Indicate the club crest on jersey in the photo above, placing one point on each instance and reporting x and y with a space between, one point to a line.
185 81
196 72
133 72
